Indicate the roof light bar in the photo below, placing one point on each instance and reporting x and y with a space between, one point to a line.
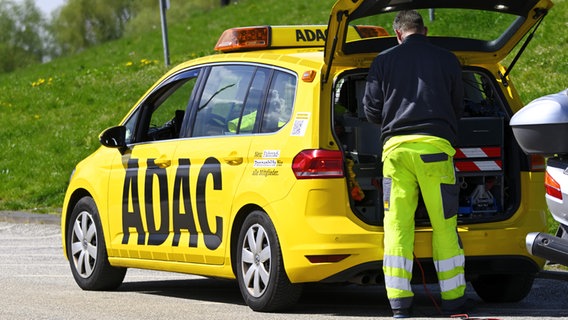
296 36
243 38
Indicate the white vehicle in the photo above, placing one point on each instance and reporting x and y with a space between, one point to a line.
537 128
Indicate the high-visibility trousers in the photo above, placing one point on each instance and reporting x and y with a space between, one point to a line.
411 168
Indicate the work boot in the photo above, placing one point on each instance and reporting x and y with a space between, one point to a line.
401 313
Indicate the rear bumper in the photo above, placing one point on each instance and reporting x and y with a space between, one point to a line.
365 253
319 222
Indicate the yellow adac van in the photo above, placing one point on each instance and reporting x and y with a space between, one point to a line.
257 163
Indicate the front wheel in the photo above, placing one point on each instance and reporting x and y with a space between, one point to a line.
87 251
260 270
503 287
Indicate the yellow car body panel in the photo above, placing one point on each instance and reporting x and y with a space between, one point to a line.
321 222
180 204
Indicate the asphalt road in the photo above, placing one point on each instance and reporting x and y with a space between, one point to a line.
36 283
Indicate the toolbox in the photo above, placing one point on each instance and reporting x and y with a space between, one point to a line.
479 161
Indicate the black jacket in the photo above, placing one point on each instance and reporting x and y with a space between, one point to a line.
415 88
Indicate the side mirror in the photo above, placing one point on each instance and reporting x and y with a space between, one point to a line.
114 137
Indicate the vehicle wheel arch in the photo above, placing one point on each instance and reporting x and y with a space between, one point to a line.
236 229
86 249
503 288
272 292
73 200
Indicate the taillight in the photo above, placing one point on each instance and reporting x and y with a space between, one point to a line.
552 187
537 163
318 163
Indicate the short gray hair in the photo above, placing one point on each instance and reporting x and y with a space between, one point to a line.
408 20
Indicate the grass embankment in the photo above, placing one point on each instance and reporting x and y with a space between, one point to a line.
51 114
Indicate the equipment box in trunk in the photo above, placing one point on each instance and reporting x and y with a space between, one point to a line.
479 166
480 195
480 131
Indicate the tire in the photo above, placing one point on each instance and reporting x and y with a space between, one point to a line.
261 276
87 251
503 287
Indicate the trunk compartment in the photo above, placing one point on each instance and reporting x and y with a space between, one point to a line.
481 170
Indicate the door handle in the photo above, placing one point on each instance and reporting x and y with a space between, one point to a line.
233 160
163 162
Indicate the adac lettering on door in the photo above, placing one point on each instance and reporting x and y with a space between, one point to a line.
182 216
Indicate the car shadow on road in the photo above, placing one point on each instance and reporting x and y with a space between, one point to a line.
214 290
350 300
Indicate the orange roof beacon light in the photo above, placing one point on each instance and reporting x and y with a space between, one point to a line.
243 38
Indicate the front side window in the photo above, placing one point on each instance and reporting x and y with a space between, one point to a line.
167 117
161 115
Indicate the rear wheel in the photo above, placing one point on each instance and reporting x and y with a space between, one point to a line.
260 271
503 287
87 251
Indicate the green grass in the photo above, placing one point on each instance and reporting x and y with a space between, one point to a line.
51 114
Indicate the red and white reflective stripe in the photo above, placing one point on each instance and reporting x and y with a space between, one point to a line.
496 165
487 152
481 162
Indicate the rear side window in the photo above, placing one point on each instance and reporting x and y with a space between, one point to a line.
280 100
244 99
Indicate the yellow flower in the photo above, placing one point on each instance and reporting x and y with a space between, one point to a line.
146 62
39 82
129 64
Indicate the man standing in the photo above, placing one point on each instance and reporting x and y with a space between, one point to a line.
415 91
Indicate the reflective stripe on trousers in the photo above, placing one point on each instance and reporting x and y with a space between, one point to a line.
410 169
398 273
451 276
